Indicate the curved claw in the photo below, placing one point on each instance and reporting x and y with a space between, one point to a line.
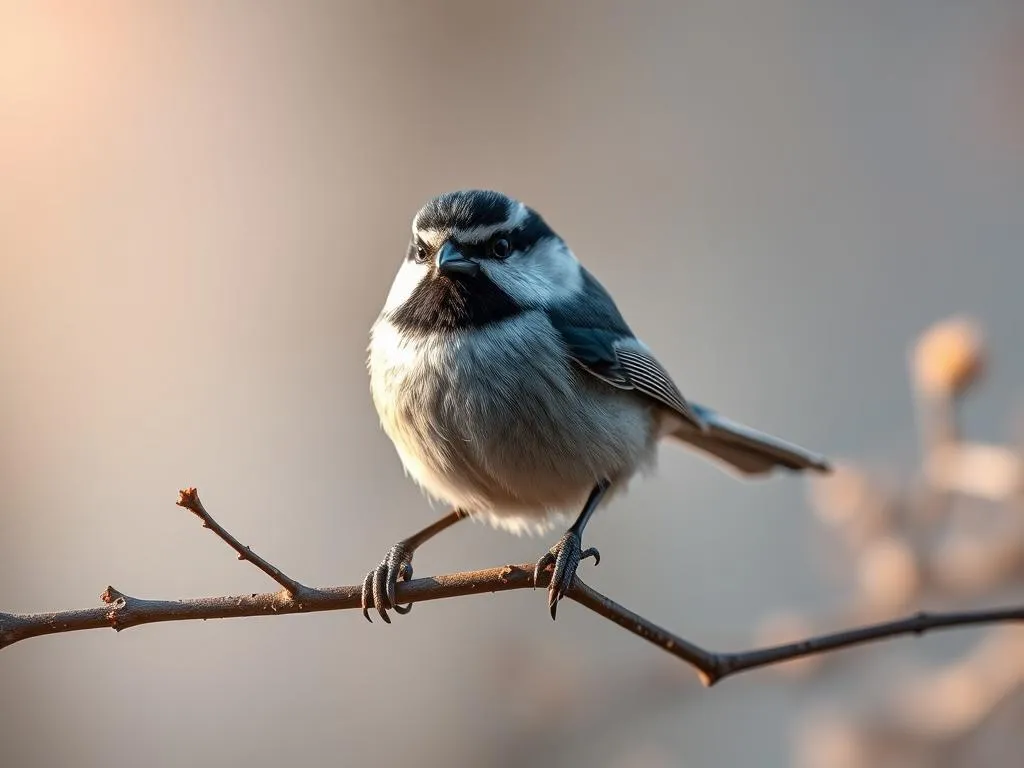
380 600
379 584
544 562
565 556
390 579
405 575
367 586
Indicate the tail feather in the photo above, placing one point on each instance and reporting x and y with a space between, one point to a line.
746 449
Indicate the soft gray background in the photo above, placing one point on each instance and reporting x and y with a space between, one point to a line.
202 208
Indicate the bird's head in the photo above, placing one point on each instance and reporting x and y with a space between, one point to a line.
477 257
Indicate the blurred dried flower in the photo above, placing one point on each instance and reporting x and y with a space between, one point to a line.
970 563
888 574
949 357
842 495
955 528
990 472
946 703
830 740
851 501
956 699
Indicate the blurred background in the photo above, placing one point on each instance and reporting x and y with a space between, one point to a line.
201 210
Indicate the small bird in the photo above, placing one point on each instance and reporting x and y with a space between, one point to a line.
514 391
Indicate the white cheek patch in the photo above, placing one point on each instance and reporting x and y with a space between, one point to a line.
409 276
540 278
562 272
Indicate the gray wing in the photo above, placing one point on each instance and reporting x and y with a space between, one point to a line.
746 449
599 341
645 374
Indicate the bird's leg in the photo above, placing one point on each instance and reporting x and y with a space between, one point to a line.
379 584
566 555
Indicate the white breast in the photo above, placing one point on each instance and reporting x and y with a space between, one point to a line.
498 421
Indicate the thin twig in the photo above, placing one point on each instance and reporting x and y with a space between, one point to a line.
122 611
189 499
713 666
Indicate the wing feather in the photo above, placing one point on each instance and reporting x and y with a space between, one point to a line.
601 343
749 450
649 377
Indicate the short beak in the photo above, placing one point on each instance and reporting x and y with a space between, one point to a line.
451 262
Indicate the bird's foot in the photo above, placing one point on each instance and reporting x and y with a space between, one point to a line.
565 557
379 584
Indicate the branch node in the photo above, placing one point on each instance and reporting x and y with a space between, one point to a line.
921 619
117 602
111 595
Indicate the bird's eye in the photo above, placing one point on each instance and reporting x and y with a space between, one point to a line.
421 254
500 248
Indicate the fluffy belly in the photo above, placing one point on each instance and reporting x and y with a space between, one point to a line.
500 423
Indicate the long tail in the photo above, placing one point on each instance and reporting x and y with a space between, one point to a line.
745 449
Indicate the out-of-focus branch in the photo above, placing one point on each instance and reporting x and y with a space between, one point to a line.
122 611
713 666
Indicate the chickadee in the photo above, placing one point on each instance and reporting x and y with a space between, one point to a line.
514 391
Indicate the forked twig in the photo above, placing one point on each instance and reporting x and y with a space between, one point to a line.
189 499
122 611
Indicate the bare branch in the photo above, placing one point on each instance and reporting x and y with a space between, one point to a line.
713 666
189 499
122 611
